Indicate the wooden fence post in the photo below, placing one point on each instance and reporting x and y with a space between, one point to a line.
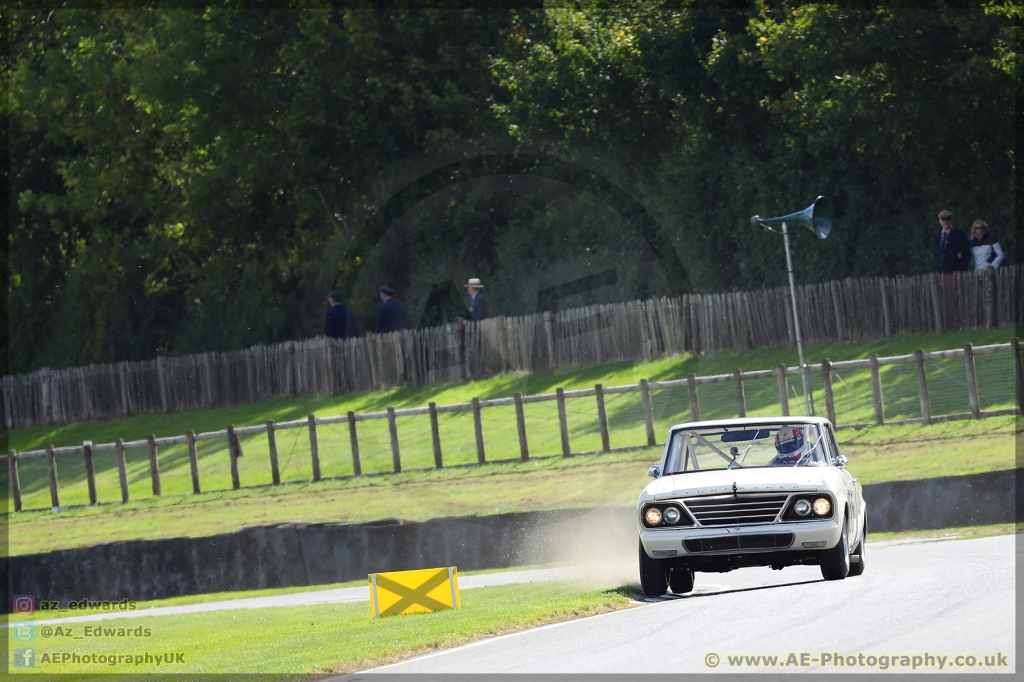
886 314
602 418
922 386
645 393
292 370
250 374
596 319
332 370
478 429
236 483
90 470
780 375
353 439
122 469
51 470
1018 372
563 423
12 467
972 381
435 436
46 394
314 447
275 469
741 396
396 457
989 293
826 380
549 336
695 344
933 282
161 381
691 383
154 465
524 448
837 310
876 390
193 460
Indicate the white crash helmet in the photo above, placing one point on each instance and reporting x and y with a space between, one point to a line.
790 444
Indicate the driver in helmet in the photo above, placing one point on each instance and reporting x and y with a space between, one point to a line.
790 446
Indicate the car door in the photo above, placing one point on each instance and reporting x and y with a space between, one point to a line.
854 491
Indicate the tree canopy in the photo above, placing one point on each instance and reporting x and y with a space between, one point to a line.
187 180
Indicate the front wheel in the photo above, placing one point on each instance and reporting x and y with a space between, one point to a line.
653 575
835 562
858 568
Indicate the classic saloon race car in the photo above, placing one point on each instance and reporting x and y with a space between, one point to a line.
749 492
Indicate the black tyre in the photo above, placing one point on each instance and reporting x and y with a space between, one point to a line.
835 562
858 568
653 575
681 580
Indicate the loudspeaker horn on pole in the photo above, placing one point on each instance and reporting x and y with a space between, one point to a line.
817 218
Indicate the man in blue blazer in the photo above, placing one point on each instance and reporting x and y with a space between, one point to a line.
391 313
952 251
339 322
477 302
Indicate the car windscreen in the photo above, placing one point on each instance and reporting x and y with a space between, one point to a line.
767 445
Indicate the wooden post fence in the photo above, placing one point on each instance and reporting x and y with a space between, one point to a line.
122 469
12 468
972 381
922 387
563 423
478 430
602 418
826 380
233 448
741 397
435 435
51 470
691 383
524 448
645 393
193 460
314 447
90 471
780 375
154 464
1018 373
396 457
353 439
876 390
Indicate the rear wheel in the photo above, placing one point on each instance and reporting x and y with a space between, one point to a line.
681 580
835 562
653 575
858 568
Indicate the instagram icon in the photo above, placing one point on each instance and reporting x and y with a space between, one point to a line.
24 603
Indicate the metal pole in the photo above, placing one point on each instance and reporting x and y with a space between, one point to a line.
808 404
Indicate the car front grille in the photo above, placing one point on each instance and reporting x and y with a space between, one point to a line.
733 543
736 510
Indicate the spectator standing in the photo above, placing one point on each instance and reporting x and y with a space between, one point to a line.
391 313
985 247
952 251
477 302
339 322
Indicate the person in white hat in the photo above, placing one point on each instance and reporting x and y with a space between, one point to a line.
477 302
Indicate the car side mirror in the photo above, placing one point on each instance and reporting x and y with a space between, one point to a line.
654 471
841 461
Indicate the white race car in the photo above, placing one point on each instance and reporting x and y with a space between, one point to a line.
770 491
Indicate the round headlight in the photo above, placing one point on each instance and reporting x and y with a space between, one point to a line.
672 515
802 507
652 516
822 506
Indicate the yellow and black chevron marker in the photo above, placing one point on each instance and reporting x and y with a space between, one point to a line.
422 591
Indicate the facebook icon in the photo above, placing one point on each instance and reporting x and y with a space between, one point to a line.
24 657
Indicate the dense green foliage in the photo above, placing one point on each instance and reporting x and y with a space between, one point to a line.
190 180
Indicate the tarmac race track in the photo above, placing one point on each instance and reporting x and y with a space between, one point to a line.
944 598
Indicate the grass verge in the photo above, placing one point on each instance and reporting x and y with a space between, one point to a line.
329 638
876 454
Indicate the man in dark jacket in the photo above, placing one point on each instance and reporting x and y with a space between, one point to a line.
477 302
339 322
391 313
952 251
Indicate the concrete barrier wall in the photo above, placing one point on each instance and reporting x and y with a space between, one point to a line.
315 554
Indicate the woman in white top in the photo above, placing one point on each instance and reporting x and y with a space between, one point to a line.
985 248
